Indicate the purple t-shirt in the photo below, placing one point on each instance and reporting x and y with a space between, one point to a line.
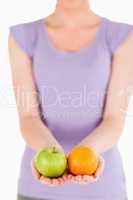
72 90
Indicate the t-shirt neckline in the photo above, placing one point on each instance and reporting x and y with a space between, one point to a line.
70 53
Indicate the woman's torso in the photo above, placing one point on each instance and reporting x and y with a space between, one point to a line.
72 94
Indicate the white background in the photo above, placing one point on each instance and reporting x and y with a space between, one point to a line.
11 142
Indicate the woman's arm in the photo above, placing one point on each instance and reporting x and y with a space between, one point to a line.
33 130
119 92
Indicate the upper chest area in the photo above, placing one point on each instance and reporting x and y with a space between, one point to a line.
71 38
53 64
65 45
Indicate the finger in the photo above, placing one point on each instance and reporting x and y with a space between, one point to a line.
34 171
88 178
69 177
100 168
64 177
61 180
73 179
78 178
45 180
35 174
55 181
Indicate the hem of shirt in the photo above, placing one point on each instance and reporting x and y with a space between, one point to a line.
65 196
56 196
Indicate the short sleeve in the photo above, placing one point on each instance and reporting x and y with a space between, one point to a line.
22 34
118 33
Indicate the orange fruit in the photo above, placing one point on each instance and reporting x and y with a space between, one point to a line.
82 161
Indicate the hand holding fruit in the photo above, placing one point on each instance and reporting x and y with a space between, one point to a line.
46 180
50 166
85 165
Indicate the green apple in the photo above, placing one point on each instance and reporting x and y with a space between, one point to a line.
50 162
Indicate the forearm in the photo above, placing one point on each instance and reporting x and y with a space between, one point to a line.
105 136
36 134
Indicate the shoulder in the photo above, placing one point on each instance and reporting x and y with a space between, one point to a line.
116 25
117 33
25 34
27 26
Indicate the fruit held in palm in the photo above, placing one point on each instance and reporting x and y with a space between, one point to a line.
50 162
82 161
